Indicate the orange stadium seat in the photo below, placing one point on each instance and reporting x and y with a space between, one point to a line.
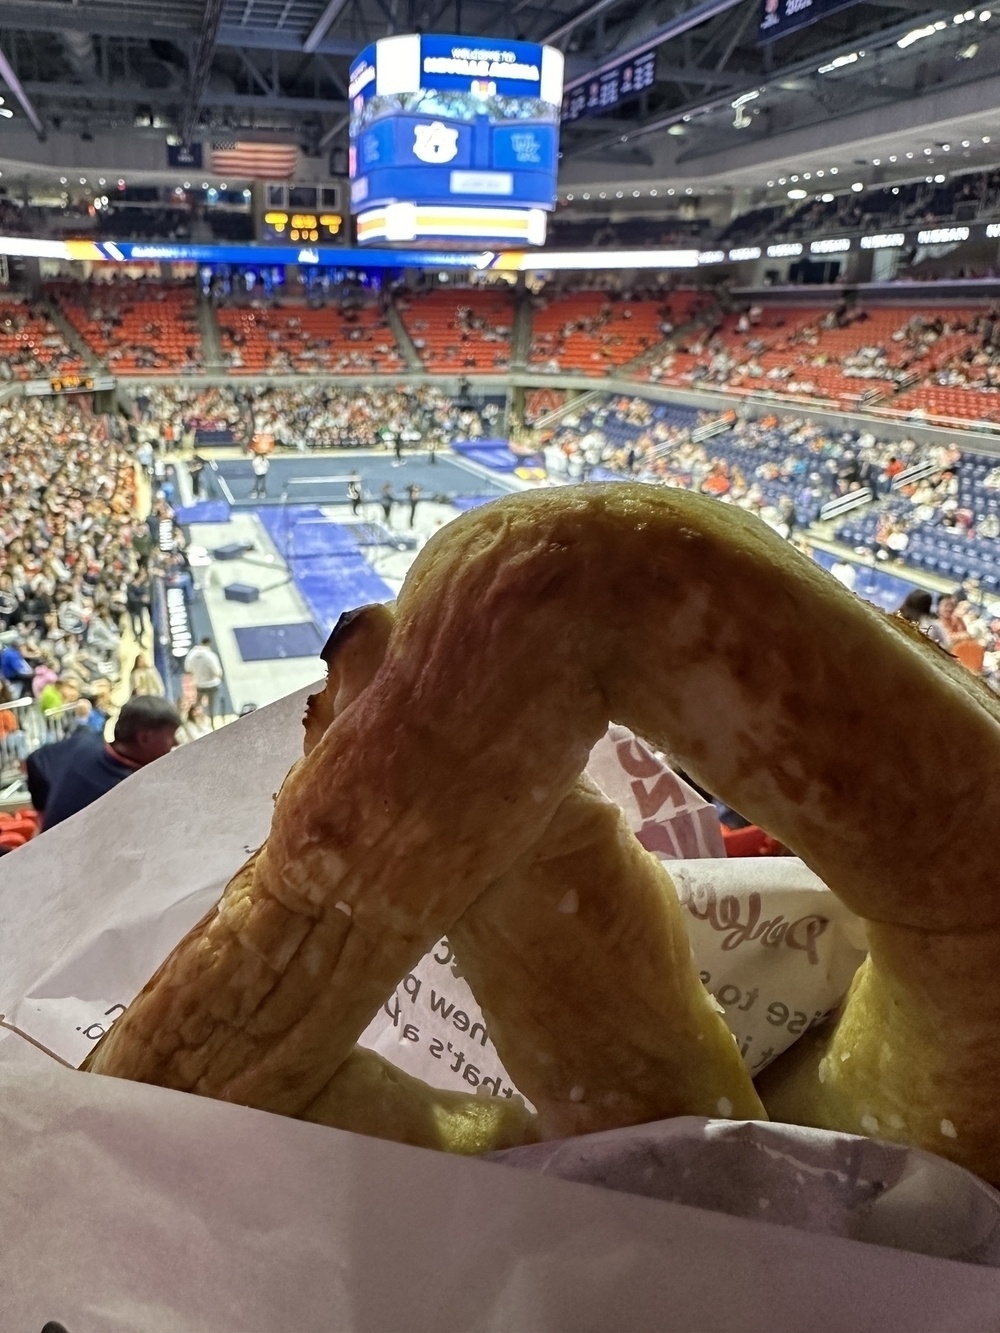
31 346
462 330
136 328
350 341
593 331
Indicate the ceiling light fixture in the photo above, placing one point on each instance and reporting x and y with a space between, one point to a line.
798 194
857 187
916 35
834 170
838 62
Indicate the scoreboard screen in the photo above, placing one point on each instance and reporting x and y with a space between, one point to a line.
454 138
281 224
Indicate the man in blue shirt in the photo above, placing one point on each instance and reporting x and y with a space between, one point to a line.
69 775
14 668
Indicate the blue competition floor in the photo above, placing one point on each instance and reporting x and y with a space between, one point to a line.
325 561
321 479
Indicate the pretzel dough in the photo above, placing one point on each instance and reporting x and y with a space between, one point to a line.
524 627
578 956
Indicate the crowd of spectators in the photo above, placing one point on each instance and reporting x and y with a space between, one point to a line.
135 323
350 337
845 353
460 330
783 469
945 520
597 331
71 551
31 346
76 569
308 415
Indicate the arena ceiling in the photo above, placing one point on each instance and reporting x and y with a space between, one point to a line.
192 68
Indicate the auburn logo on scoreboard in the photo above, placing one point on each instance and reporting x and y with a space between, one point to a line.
436 143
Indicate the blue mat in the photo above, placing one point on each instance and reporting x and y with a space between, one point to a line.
337 584
300 531
203 511
494 454
324 561
260 643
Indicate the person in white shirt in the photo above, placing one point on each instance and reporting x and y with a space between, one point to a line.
261 463
204 667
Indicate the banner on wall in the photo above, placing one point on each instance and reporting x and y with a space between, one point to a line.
778 17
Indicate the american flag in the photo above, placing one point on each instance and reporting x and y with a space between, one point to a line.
253 161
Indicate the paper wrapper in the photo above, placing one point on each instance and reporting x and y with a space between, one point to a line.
128 1209
200 1215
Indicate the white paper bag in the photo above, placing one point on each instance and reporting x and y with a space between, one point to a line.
142 1209
130 1209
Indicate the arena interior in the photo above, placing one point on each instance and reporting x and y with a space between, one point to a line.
234 405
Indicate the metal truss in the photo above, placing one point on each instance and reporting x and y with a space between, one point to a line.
201 65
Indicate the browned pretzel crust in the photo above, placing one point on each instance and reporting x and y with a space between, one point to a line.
522 629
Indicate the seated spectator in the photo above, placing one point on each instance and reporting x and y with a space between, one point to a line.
916 608
67 776
145 679
197 723
15 669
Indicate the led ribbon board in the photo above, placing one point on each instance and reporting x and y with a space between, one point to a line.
444 126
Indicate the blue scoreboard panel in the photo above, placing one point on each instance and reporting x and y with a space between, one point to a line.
454 138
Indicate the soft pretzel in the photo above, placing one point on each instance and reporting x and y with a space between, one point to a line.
605 994
581 962
522 628
578 956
